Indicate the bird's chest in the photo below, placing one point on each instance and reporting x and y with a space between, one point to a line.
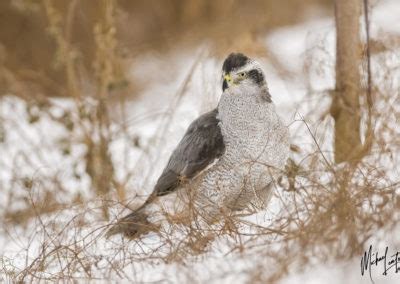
246 128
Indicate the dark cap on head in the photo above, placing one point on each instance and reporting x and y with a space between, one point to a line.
234 61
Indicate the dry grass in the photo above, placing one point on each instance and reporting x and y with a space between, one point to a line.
326 211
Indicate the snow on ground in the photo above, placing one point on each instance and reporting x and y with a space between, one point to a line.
306 51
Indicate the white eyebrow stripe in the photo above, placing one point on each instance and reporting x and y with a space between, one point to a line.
249 66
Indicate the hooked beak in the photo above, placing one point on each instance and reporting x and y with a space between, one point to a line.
227 79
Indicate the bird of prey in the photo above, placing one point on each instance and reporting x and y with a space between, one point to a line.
228 157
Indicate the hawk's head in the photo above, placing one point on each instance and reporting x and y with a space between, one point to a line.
238 69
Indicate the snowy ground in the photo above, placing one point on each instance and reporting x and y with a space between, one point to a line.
31 151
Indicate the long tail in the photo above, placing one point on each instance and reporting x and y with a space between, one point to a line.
134 224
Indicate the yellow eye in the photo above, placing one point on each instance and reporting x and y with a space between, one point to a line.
242 74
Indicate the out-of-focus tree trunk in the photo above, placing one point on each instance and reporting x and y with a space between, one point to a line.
345 107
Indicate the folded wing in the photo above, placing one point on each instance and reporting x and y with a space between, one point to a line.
201 145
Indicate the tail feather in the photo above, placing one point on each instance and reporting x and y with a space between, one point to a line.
133 225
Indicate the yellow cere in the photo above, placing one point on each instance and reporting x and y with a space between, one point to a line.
228 77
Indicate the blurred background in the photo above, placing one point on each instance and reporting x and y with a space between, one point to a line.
44 45
94 96
100 75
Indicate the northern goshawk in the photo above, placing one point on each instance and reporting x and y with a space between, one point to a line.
228 157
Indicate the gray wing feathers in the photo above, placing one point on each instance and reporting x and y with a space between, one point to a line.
199 147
